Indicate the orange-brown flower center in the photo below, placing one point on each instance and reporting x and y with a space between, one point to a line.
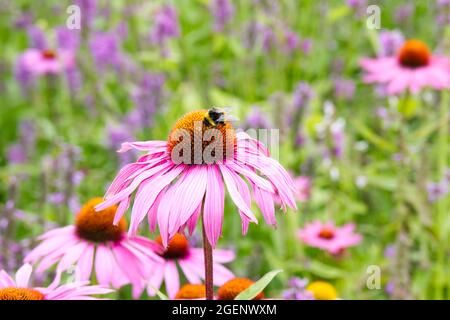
191 291
20 294
206 142
326 233
414 54
48 54
98 226
232 288
178 247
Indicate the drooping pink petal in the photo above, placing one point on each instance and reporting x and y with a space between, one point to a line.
214 205
171 279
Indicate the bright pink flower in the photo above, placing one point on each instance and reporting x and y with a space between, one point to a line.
329 237
191 262
43 62
18 288
94 243
413 68
173 195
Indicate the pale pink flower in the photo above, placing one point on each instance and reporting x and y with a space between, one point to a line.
191 262
327 236
413 68
303 185
173 195
93 244
44 62
19 288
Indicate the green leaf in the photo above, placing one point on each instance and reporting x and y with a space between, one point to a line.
161 295
258 286
325 271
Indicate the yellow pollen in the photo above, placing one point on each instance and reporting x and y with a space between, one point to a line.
322 290
232 288
178 247
20 294
98 226
191 291
414 54
195 124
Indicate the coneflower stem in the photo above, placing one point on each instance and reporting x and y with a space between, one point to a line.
208 257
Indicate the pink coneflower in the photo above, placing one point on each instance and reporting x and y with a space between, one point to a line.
191 262
93 242
19 289
329 237
413 68
175 186
44 62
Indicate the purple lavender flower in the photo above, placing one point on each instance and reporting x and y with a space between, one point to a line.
256 119
17 154
306 45
390 42
223 12
437 190
302 95
297 290
105 50
68 39
88 10
338 137
344 88
22 75
166 26
147 98
292 40
403 12
24 21
37 38
267 38
359 6
117 134
389 251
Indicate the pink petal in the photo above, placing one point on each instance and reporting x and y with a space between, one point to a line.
214 204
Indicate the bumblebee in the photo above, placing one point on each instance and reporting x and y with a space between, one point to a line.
216 116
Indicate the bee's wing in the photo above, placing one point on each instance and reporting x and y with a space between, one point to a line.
231 118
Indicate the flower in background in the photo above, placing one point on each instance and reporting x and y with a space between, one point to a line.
443 17
327 236
297 290
302 95
344 88
268 39
292 40
17 154
359 6
232 288
191 262
147 98
437 190
105 50
19 289
303 186
88 9
95 244
322 290
37 38
117 134
223 12
21 152
403 12
256 119
172 193
166 26
48 61
413 68
390 42
306 45
191 292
